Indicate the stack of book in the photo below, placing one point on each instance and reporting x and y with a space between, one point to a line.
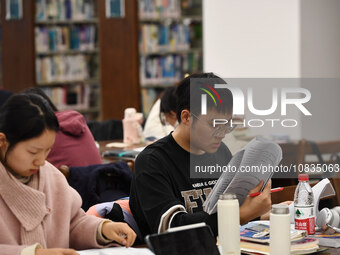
327 240
255 239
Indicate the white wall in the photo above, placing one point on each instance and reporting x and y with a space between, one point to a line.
280 39
253 39
244 38
320 58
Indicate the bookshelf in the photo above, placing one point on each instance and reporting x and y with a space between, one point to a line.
67 53
95 72
170 45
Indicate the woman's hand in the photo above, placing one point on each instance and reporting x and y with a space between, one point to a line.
253 207
55 252
119 232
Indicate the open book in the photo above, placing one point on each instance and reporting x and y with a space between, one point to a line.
117 251
255 162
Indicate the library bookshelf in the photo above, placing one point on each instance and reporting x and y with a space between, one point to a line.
66 47
87 61
170 45
98 65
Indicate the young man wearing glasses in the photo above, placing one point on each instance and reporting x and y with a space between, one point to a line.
163 194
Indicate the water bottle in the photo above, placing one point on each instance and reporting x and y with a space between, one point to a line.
279 230
132 128
304 206
228 216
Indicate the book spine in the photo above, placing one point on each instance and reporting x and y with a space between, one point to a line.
154 9
162 38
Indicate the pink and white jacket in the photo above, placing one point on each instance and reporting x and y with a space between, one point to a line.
45 211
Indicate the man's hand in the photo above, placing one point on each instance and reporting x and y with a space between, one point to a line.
119 232
253 207
266 216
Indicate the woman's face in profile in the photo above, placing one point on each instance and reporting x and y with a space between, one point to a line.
26 157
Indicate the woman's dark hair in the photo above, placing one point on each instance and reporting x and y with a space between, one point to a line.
38 91
189 91
168 100
26 116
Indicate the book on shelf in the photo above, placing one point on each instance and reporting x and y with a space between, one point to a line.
75 97
150 9
170 44
168 69
65 9
62 38
64 68
163 37
260 155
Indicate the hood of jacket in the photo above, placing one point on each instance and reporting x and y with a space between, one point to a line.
71 123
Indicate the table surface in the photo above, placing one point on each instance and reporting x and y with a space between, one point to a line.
102 146
112 159
331 251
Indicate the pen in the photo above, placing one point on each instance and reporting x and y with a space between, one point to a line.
271 191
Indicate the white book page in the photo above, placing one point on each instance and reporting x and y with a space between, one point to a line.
257 154
117 251
256 157
223 182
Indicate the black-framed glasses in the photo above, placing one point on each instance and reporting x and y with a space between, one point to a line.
220 129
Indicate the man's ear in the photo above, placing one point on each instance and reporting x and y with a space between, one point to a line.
3 140
185 117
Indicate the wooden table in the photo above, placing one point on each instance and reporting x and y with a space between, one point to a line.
331 251
112 159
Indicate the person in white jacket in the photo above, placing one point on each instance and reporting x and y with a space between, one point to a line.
162 117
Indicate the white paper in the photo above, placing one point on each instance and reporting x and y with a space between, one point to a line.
117 145
322 189
139 149
257 153
117 251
